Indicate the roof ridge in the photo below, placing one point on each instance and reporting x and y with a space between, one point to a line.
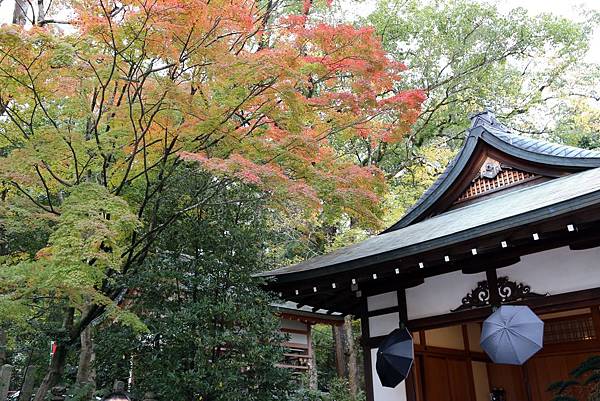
484 117
485 127
488 121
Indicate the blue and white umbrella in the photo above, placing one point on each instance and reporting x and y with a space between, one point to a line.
512 334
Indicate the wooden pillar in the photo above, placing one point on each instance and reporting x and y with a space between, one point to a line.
402 307
596 321
467 346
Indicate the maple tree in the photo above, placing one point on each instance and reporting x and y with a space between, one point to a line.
95 123
531 70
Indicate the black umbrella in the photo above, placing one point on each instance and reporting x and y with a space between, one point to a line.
395 357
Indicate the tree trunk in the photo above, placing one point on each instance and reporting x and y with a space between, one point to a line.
340 356
55 372
58 361
41 15
313 378
345 355
351 357
20 12
85 368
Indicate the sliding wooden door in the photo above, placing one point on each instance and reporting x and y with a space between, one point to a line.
446 379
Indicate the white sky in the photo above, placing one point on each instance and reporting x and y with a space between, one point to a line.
568 8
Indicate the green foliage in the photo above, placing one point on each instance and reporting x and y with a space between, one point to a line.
584 384
468 56
324 348
578 125
24 231
337 391
89 236
211 334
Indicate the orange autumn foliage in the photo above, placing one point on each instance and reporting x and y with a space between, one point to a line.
246 91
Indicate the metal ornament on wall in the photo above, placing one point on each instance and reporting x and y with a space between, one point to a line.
508 291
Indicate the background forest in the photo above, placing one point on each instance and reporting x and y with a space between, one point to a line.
156 154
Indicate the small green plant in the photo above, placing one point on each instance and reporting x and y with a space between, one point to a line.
339 390
584 382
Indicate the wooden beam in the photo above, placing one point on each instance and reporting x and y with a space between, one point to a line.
402 308
553 234
541 305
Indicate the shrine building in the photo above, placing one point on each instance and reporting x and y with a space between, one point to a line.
512 220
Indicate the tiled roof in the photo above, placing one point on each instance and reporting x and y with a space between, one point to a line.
485 127
540 146
524 206
418 232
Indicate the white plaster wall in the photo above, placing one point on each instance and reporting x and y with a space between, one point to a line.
439 294
383 325
554 271
557 271
381 393
382 301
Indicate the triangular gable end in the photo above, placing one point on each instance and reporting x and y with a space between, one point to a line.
495 176
494 160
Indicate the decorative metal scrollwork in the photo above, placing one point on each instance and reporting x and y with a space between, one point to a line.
508 291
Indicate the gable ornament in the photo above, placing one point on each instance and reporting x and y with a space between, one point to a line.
490 168
508 291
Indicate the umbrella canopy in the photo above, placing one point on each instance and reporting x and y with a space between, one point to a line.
512 334
395 357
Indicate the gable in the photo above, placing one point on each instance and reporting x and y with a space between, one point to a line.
513 160
495 176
